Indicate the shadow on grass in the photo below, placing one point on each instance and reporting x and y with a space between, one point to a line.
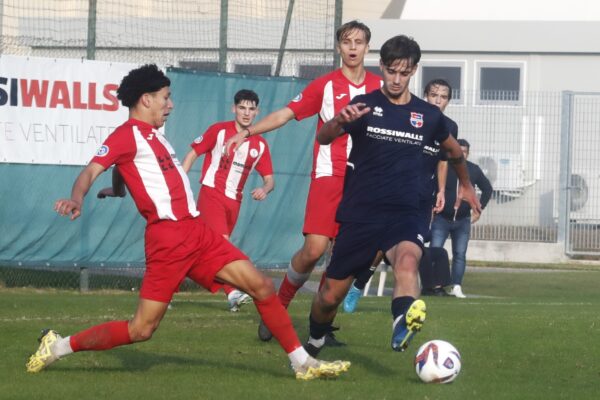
139 361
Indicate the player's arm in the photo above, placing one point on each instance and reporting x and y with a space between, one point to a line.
80 188
334 127
118 186
189 160
457 161
442 174
261 193
274 120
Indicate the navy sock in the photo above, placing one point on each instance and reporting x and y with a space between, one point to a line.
318 330
400 305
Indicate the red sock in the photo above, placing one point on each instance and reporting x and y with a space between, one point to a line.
287 291
228 289
102 337
276 318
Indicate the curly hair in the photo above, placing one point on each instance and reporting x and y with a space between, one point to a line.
145 79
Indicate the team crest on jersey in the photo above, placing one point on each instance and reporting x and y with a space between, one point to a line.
297 98
102 151
253 153
416 119
198 139
378 111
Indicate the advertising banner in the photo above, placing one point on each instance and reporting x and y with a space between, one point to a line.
57 111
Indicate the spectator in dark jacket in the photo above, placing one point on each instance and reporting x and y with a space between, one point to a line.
455 219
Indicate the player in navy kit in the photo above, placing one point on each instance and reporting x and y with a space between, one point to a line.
379 210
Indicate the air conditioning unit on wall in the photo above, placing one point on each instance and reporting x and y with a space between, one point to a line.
585 196
505 172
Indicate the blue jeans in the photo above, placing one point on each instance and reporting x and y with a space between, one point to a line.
460 232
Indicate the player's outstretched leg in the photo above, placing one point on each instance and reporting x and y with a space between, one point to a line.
46 353
407 324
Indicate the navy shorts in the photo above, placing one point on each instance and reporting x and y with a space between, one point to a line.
357 243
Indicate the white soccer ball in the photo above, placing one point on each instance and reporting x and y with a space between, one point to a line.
437 361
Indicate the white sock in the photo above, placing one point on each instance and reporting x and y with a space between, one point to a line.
62 347
317 342
233 294
298 357
296 278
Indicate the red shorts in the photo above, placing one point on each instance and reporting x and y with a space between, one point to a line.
218 211
176 249
324 196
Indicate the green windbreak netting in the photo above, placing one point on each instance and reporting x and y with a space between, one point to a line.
110 232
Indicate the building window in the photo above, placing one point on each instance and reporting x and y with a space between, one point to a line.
500 84
212 66
451 74
313 71
253 69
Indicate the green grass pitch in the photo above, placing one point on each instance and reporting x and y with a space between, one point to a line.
522 335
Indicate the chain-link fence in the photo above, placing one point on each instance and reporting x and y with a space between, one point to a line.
275 37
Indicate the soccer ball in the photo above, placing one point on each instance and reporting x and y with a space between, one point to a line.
437 361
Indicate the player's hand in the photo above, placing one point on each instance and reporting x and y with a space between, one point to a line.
467 193
259 194
352 112
475 216
234 143
68 206
440 202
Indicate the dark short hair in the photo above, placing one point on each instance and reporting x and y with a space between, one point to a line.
438 82
348 27
400 47
145 79
245 94
464 143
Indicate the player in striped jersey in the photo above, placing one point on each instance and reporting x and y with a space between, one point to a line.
223 180
325 96
178 244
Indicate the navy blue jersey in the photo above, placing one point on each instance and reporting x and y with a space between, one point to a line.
432 154
384 165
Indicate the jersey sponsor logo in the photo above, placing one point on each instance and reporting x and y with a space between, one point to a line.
102 151
297 98
393 133
198 139
340 96
416 119
378 112
430 150
253 153
242 165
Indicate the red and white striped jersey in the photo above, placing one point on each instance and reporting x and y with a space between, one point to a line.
152 172
327 95
229 175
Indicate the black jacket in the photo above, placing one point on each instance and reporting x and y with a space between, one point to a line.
478 179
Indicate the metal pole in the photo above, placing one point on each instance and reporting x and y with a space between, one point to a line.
223 36
284 36
84 279
91 37
564 203
337 22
